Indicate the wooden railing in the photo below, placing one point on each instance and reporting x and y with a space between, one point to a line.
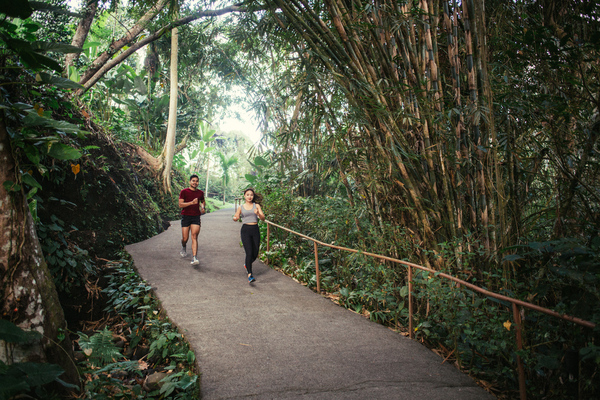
237 203
516 303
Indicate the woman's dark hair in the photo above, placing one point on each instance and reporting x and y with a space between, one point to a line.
257 197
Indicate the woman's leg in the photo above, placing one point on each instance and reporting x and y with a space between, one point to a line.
255 242
247 241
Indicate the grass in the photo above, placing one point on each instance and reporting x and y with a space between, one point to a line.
217 204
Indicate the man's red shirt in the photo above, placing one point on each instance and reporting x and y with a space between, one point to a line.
188 195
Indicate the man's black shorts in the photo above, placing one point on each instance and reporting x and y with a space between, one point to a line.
187 220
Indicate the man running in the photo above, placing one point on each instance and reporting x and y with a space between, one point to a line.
191 202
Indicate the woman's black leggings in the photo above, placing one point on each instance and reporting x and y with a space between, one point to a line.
251 241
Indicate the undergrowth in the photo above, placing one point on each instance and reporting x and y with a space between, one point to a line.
473 331
137 353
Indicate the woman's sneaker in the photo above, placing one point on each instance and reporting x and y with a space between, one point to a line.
251 279
195 261
183 253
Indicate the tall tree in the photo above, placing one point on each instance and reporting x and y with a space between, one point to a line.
29 297
83 28
169 149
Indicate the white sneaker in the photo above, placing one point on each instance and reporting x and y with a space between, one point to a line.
195 261
182 253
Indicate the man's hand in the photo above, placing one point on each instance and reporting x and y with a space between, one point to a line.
195 201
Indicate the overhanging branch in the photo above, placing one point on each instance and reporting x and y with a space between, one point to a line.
150 38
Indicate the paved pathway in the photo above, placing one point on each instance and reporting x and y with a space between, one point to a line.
276 339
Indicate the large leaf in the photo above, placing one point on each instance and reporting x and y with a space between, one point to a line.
12 383
11 333
140 85
42 6
30 180
261 161
87 45
58 81
32 153
33 119
55 47
61 151
38 374
32 59
16 8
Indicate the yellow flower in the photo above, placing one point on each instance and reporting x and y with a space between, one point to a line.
507 325
75 168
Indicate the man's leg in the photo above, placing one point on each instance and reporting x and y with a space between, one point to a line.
185 234
195 232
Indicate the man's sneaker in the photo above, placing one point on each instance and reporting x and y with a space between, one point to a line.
182 253
195 261
251 279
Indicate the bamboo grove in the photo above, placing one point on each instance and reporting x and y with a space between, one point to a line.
455 115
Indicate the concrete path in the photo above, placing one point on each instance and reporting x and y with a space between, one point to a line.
276 339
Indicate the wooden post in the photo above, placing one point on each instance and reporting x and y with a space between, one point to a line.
268 244
518 331
411 332
317 268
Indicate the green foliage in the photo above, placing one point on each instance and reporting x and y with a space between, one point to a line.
11 333
180 382
562 274
132 299
18 379
163 342
69 265
35 135
99 348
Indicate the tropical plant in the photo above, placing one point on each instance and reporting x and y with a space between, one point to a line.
28 136
226 163
23 378
207 136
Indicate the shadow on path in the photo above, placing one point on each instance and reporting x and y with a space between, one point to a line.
276 339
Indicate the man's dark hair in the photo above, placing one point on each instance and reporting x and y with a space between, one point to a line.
194 176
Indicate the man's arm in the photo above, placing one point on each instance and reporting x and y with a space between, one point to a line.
183 204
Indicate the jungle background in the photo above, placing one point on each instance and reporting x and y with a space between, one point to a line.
460 135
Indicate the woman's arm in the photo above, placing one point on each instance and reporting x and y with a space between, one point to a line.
259 212
237 214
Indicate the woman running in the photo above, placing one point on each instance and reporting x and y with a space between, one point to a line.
250 212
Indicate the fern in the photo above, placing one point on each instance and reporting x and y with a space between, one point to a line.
127 366
99 348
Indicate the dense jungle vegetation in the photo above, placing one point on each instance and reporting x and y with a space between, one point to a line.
460 135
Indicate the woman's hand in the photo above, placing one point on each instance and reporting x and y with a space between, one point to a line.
258 211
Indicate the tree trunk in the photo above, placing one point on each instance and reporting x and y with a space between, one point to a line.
207 165
124 41
29 297
172 125
83 28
